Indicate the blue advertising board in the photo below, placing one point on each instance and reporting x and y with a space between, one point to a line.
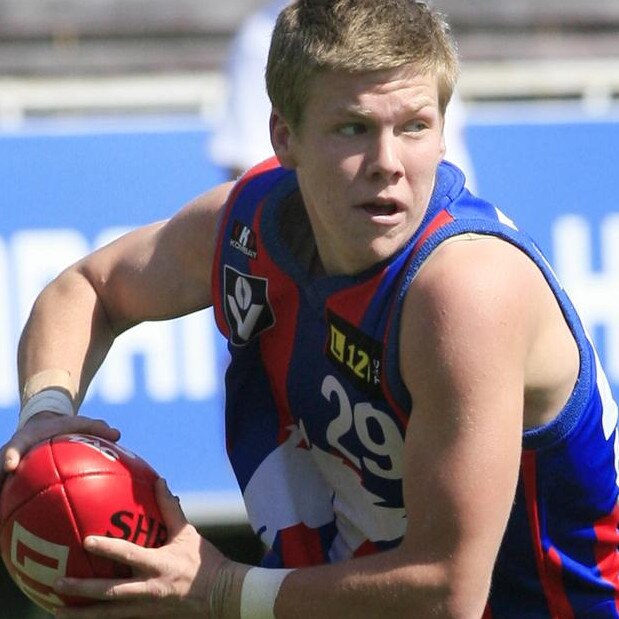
67 188
552 170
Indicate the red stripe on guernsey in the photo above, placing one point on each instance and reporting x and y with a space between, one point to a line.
548 561
440 219
352 303
276 344
366 549
487 612
301 546
606 554
269 164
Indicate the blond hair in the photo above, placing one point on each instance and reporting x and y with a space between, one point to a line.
355 36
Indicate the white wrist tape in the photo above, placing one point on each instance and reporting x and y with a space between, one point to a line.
259 592
50 400
49 390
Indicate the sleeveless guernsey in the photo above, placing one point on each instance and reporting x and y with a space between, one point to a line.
316 410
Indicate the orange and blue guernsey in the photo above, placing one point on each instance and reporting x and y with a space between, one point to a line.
316 410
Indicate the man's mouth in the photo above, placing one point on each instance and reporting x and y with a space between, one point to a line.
380 208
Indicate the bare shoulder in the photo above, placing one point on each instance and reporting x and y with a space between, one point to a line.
469 278
203 213
468 313
481 310
184 246
161 270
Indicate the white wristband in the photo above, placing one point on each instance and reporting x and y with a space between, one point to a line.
259 592
51 400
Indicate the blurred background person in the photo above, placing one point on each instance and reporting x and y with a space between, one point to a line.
241 137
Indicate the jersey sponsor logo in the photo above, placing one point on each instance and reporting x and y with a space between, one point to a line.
246 306
355 353
244 239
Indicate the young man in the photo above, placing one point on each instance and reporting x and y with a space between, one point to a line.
418 423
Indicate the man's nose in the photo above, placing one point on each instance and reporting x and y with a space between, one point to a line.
384 160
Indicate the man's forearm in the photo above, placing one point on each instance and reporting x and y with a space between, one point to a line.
67 331
383 585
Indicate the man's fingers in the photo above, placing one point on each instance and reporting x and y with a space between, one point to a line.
43 426
103 589
86 425
13 451
170 507
11 458
128 553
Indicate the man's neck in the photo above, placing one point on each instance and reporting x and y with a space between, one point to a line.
296 232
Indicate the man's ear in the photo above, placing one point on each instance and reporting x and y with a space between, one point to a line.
281 139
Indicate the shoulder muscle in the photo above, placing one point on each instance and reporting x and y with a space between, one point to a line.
161 270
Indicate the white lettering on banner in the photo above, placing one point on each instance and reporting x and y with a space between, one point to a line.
37 257
27 264
198 367
178 357
171 369
595 293
155 345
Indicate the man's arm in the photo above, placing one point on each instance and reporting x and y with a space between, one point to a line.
465 335
469 323
155 272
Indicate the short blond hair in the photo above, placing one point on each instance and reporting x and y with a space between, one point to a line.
355 36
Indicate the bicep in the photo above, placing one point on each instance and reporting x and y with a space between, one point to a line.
158 271
463 345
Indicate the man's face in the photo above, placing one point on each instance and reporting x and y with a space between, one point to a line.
366 155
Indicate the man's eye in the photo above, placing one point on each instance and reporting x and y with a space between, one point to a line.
415 126
351 129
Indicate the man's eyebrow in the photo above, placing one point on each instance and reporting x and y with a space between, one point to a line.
353 110
361 111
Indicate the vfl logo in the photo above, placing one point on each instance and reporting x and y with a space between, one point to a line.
244 239
246 306
354 352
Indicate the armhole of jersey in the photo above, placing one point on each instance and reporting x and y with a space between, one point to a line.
216 272
448 229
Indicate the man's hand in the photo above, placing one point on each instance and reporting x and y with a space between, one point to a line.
174 580
45 425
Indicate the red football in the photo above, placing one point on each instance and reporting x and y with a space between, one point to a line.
63 490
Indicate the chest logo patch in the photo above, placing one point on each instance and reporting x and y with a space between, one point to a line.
246 306
355 353
243 239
